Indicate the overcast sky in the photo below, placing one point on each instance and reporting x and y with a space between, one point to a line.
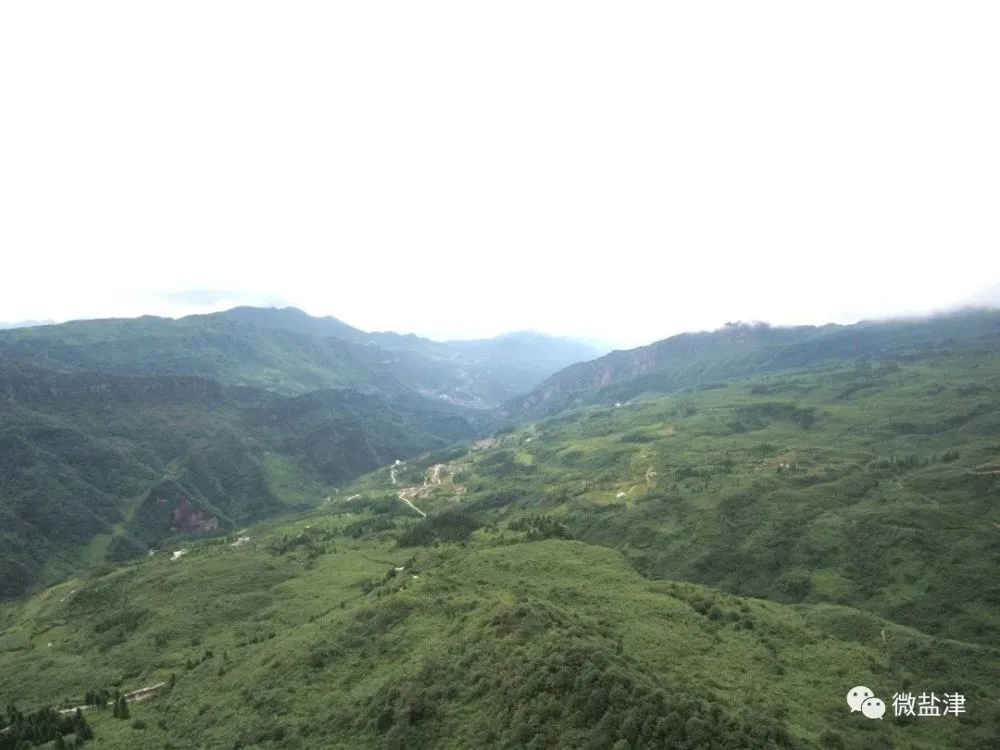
620 171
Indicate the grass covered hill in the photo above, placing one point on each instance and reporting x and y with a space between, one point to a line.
229 351
97 467
742 350
290 352
479 373
875 486
315 634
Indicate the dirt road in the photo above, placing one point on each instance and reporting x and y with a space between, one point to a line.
406 500
136 695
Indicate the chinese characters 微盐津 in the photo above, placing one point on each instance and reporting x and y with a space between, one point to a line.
928 704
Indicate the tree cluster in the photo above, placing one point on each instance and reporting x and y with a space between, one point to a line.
449 526
44 725
541 527
314 542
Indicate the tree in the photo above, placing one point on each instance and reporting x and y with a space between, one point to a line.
83 730
122 708
629 729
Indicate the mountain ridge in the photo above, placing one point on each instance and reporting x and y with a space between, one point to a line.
738 350
287 350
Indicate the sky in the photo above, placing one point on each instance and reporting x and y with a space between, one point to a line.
611 171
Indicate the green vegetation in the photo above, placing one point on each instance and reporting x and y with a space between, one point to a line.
102 468
42 726
118 436
712 569
881 499
211 347
497 643
708 360
290 352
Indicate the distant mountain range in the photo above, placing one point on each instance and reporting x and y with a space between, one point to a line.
290 352
741 350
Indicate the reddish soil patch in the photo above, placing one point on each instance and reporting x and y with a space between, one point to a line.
188 518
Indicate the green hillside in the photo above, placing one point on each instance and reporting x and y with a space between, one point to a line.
308 635
873 486
101 467
479 373
290 352
119 433
200 346
742 350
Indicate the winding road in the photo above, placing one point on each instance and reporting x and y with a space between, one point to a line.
431 477
136 695
406 500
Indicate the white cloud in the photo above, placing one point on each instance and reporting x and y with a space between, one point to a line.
455 169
